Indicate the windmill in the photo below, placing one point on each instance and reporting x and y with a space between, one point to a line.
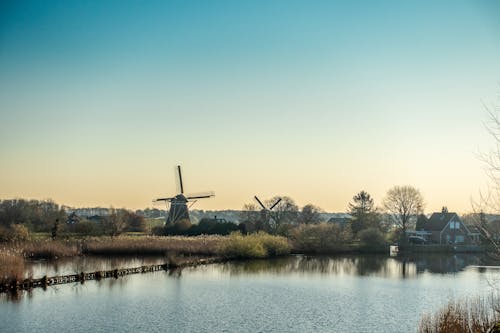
179 203
265 210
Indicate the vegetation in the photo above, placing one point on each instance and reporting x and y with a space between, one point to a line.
11 267
372 240
320 238
33 214
364 214
202 245
403 202
258 245
468 315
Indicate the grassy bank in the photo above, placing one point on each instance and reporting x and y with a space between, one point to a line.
261 245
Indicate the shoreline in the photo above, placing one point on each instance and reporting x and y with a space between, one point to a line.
16 285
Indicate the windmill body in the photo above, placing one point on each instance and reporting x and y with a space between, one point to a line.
179 204
265 212
178 209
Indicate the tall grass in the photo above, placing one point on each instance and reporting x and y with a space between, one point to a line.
11 267
260 245
48 249
202 245
468 315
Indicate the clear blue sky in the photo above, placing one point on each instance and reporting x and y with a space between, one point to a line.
312 99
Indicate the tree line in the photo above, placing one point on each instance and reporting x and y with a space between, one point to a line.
400 204
367 222
19 217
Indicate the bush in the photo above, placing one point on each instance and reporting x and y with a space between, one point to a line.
88 228
258 245
319 238
178 228
212 227
158 231
372 239
15 232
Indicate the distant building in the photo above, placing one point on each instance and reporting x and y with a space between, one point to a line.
73 218
443 228
341 221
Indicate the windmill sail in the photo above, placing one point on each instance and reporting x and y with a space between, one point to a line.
178 204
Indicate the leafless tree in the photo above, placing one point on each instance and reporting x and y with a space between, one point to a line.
310 214
403 202
489 200
285 212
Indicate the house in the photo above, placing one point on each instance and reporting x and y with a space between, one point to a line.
443 228
73 218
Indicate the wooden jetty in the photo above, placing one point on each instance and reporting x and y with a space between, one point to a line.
44 282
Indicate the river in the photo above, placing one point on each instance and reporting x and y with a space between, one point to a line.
293 294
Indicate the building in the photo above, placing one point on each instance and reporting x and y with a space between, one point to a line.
443 228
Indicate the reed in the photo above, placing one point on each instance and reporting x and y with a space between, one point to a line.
478 314
151 245
11 267
260 245
48 249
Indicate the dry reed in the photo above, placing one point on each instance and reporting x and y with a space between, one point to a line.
11 267
472 315
201 245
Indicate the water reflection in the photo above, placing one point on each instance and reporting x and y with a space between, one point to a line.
367 265
407 267
65 266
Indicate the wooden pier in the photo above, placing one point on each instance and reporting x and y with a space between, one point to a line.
44 282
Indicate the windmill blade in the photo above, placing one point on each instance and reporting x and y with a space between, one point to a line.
277 202
260 203
163 199
180 178
201 195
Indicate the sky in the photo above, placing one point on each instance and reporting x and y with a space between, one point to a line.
316 100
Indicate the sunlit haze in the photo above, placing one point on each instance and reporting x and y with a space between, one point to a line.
315 100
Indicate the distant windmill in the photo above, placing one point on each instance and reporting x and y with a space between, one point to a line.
178 204
265 211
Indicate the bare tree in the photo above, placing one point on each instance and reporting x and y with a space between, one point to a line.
115 223
310 214
403 202
285 212
489 201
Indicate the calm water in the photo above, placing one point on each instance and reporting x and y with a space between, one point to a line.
296 294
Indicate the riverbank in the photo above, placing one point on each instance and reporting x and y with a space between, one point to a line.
15 285
260 245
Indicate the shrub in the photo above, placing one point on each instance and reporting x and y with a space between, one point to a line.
178 228
319 238
274 245
212 227
372 239
88 228
15 232
158 231
258 245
